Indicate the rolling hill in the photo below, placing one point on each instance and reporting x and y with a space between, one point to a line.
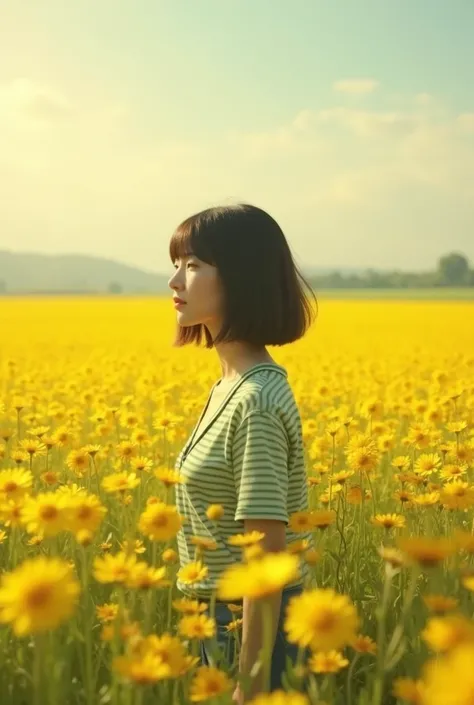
41 273
23 273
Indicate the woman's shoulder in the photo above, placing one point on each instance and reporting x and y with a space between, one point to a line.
266 391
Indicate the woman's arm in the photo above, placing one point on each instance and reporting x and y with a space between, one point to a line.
252 626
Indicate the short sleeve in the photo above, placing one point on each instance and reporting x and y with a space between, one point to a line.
260 464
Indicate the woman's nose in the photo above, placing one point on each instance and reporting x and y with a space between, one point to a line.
173 282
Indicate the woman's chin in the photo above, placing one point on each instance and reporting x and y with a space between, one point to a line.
184 320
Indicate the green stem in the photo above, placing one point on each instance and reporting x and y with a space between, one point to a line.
381 614
267 644
89 683
350 673
38 671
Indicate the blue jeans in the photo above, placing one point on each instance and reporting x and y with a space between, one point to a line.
226 640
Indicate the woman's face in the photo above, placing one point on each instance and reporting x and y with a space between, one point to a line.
198 285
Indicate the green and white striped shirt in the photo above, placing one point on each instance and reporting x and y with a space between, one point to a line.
249 458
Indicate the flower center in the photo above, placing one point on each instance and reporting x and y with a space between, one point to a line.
38 596
324 620
48 513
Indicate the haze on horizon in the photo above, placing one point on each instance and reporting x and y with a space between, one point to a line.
352 123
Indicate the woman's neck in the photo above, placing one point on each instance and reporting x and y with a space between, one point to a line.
236 358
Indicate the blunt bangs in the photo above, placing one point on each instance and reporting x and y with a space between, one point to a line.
189 238
266 298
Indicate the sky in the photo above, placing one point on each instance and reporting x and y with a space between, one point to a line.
350 122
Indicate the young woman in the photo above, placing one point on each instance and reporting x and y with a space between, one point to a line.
236 285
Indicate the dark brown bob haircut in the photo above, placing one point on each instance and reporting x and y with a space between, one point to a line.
267 300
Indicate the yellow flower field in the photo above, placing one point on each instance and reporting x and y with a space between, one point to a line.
95 404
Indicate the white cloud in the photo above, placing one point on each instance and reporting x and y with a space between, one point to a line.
368 123
98 182
22 99
423 99
356 86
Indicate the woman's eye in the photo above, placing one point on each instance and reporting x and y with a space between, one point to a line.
192 264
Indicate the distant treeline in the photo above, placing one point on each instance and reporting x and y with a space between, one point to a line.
453 271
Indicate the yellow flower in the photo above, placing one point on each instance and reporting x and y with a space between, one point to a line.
440 603
85 513
456 426
327 662
128 631
214 512
457 495
323 518
35 540
401 462
84 537
449 680
114 568
444 633
50 477
321 619
209 682
312 556
468 581
341 476
135 546
169 555
144 576
252 553
197 626
426 550
453 470
419 435
170 651
389 521
15 483
11 512
249 539
189 606
403 496
38 595
44 514
160 522
298 546
120 482
354 494
141 463
78 461
32 446
3 536
204 543
362 453
301 522
193 572
234 626
258 578
409 690
364 645
169 477
127 449
107 612
141 669
427 463
428 499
